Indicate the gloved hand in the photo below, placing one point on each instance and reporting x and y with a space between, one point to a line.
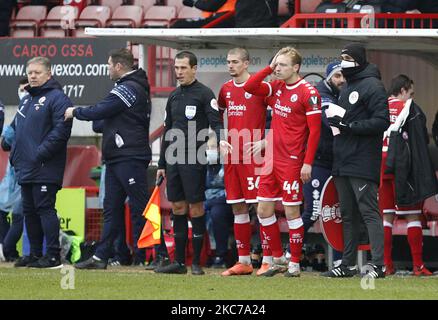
336 121
189 3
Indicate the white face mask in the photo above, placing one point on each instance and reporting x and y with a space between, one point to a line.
21 94
212 156
347 64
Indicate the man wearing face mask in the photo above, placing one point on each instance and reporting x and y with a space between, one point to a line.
21 91
329 89
216 207
357 157
10 192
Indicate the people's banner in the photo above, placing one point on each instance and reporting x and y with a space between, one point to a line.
331 219
151 233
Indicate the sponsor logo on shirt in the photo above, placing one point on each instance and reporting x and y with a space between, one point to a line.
235 110
280 110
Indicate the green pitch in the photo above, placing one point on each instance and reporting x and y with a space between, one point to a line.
135 283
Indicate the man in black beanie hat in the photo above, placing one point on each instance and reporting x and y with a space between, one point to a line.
357 158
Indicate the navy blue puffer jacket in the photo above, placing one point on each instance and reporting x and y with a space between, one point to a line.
39 152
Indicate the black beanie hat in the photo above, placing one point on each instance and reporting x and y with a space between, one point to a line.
357 52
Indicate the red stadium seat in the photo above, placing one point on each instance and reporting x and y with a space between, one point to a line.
80 4
59 21
146 4
91 16
27 21
309 6
159 17
430 208
283 9
177 4
4 158
126 17
80 160
112 4
190 13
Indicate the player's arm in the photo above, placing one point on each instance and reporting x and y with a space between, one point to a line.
255 84
313 118
119 99
222 104
164 142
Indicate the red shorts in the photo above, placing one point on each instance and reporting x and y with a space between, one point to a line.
387 200
241 182
282 182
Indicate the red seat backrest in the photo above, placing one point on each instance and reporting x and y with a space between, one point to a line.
4 158
80 160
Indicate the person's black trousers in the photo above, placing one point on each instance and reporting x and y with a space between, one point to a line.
358 197
122 179
41 218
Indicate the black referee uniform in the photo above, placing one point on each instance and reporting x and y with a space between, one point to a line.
190 110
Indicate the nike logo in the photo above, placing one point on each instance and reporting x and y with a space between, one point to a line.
363 187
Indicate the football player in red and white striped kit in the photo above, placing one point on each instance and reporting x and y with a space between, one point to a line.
246 117
401 90
294 135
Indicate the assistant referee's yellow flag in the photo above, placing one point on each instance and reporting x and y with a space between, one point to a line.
151 232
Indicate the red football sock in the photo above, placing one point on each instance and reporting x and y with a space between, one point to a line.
265 245
296 235
415 239
272 234
387 253
242 233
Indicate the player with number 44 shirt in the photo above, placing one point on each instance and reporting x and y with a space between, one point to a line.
294 136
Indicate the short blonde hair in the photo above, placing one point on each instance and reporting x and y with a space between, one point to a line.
293 53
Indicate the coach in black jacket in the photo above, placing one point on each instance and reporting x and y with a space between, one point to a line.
357 157
125 147
38 156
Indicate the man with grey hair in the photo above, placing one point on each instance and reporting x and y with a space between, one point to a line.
39 155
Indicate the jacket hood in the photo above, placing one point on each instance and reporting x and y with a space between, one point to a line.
370 71
49 85
138 76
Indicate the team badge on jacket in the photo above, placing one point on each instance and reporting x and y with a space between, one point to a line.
190 112
353 97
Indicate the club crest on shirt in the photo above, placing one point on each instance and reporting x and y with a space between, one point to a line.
40 103
214 104
248 95
190 112
353 97
294 97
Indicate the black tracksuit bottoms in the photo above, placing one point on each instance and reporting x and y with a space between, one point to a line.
358 197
